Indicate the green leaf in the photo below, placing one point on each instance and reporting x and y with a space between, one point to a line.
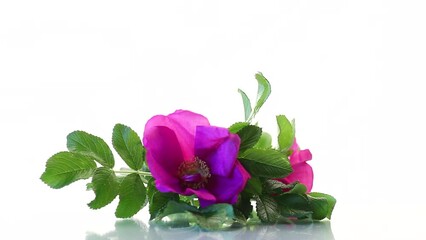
105 186
239 219
263 92
173 207
271 185
266 163
249 136
89 185
246 103
243 205
132 196
129 146
265 141
65 168
192 199
215 217
236 127
254 186
90 145
176 214
319 207
298 188
276 187
159 201
286 133
331 201
294 205
151 189
267 209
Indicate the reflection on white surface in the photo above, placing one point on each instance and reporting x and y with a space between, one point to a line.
133 229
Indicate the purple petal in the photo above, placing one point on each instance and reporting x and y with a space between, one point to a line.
226 189
205 203
303 173
218 148
183 124
164 157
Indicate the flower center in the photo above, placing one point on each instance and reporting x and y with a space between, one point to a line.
194 174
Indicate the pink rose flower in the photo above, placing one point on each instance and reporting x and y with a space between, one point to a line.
186 155
302 171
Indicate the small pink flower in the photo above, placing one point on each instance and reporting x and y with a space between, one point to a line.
302 171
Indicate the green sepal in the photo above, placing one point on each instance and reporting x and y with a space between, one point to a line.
65 168
90 145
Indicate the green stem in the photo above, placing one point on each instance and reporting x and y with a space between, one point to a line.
143 179
129 171
142 174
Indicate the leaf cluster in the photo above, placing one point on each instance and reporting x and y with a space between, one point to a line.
89 156
274 200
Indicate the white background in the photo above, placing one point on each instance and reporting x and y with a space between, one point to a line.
350 72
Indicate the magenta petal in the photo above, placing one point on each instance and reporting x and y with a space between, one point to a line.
189 120
300 156
164 157
218 148
294 147
303 173
305 155
226 189
183 123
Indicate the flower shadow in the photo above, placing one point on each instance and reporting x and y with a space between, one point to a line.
133 229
